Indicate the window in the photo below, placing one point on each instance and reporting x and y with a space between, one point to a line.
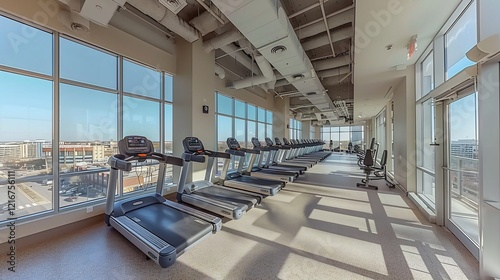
380 133
295 129
241 120
141 80
341 136
90 113
25 47
459 39
427 74
426 152
88 65
26 143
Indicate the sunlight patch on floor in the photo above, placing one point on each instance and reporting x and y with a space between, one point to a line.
415 234
352 251
299 267
451 267
415 262
402 214
392 200
346 220
346 204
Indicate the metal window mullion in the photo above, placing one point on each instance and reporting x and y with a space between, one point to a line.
140 96
85 85
55 124
119 116
162 113
26 73
426 171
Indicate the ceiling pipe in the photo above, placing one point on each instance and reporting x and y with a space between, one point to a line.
330 63
341 17
304 10
326 27
205 23
242 58
220 72
266 77
323 40
334 72
223 39
165 17
216 16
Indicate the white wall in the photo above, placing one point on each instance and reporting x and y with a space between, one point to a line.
404 132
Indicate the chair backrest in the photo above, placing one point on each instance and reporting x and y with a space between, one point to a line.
368 160
372 144
383 159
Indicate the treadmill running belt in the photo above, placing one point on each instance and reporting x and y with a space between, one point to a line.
177 228
258 181
230 197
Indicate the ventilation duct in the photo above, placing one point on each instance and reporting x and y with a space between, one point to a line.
334 72
323 40
330 63
265 24
205 23
223 39
165 17
339 19
220 72
266 77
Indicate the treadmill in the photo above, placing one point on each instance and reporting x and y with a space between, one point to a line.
161 229
283 154
271 164
239 180
227 202
257 167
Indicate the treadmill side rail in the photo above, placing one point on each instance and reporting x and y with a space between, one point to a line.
215 206
155 248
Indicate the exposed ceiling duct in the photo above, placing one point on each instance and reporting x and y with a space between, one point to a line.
220 72
339 18
334 72
167 18
265 24
205 23
323 40
330 63
266 77
223 39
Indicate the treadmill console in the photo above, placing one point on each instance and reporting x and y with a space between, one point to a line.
135 145
233 144
193 144
277 141
286 141
256 142
269 142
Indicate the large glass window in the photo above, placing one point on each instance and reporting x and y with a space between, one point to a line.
295 129
460 38
426 153
88 65
25 47
341 136
241 120
26 144
89 113
141 80
381 134
427 74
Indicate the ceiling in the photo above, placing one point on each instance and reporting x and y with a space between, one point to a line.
281 47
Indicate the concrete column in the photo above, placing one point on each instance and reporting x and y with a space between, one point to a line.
306 129
194 86
280 117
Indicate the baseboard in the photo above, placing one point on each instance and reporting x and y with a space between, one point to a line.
426 211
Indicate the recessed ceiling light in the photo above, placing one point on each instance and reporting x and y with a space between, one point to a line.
278 49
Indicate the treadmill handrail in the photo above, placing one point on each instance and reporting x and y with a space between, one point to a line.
122 162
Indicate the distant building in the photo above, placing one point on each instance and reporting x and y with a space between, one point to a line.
465 148
10 151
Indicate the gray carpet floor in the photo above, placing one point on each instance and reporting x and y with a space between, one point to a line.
321 227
